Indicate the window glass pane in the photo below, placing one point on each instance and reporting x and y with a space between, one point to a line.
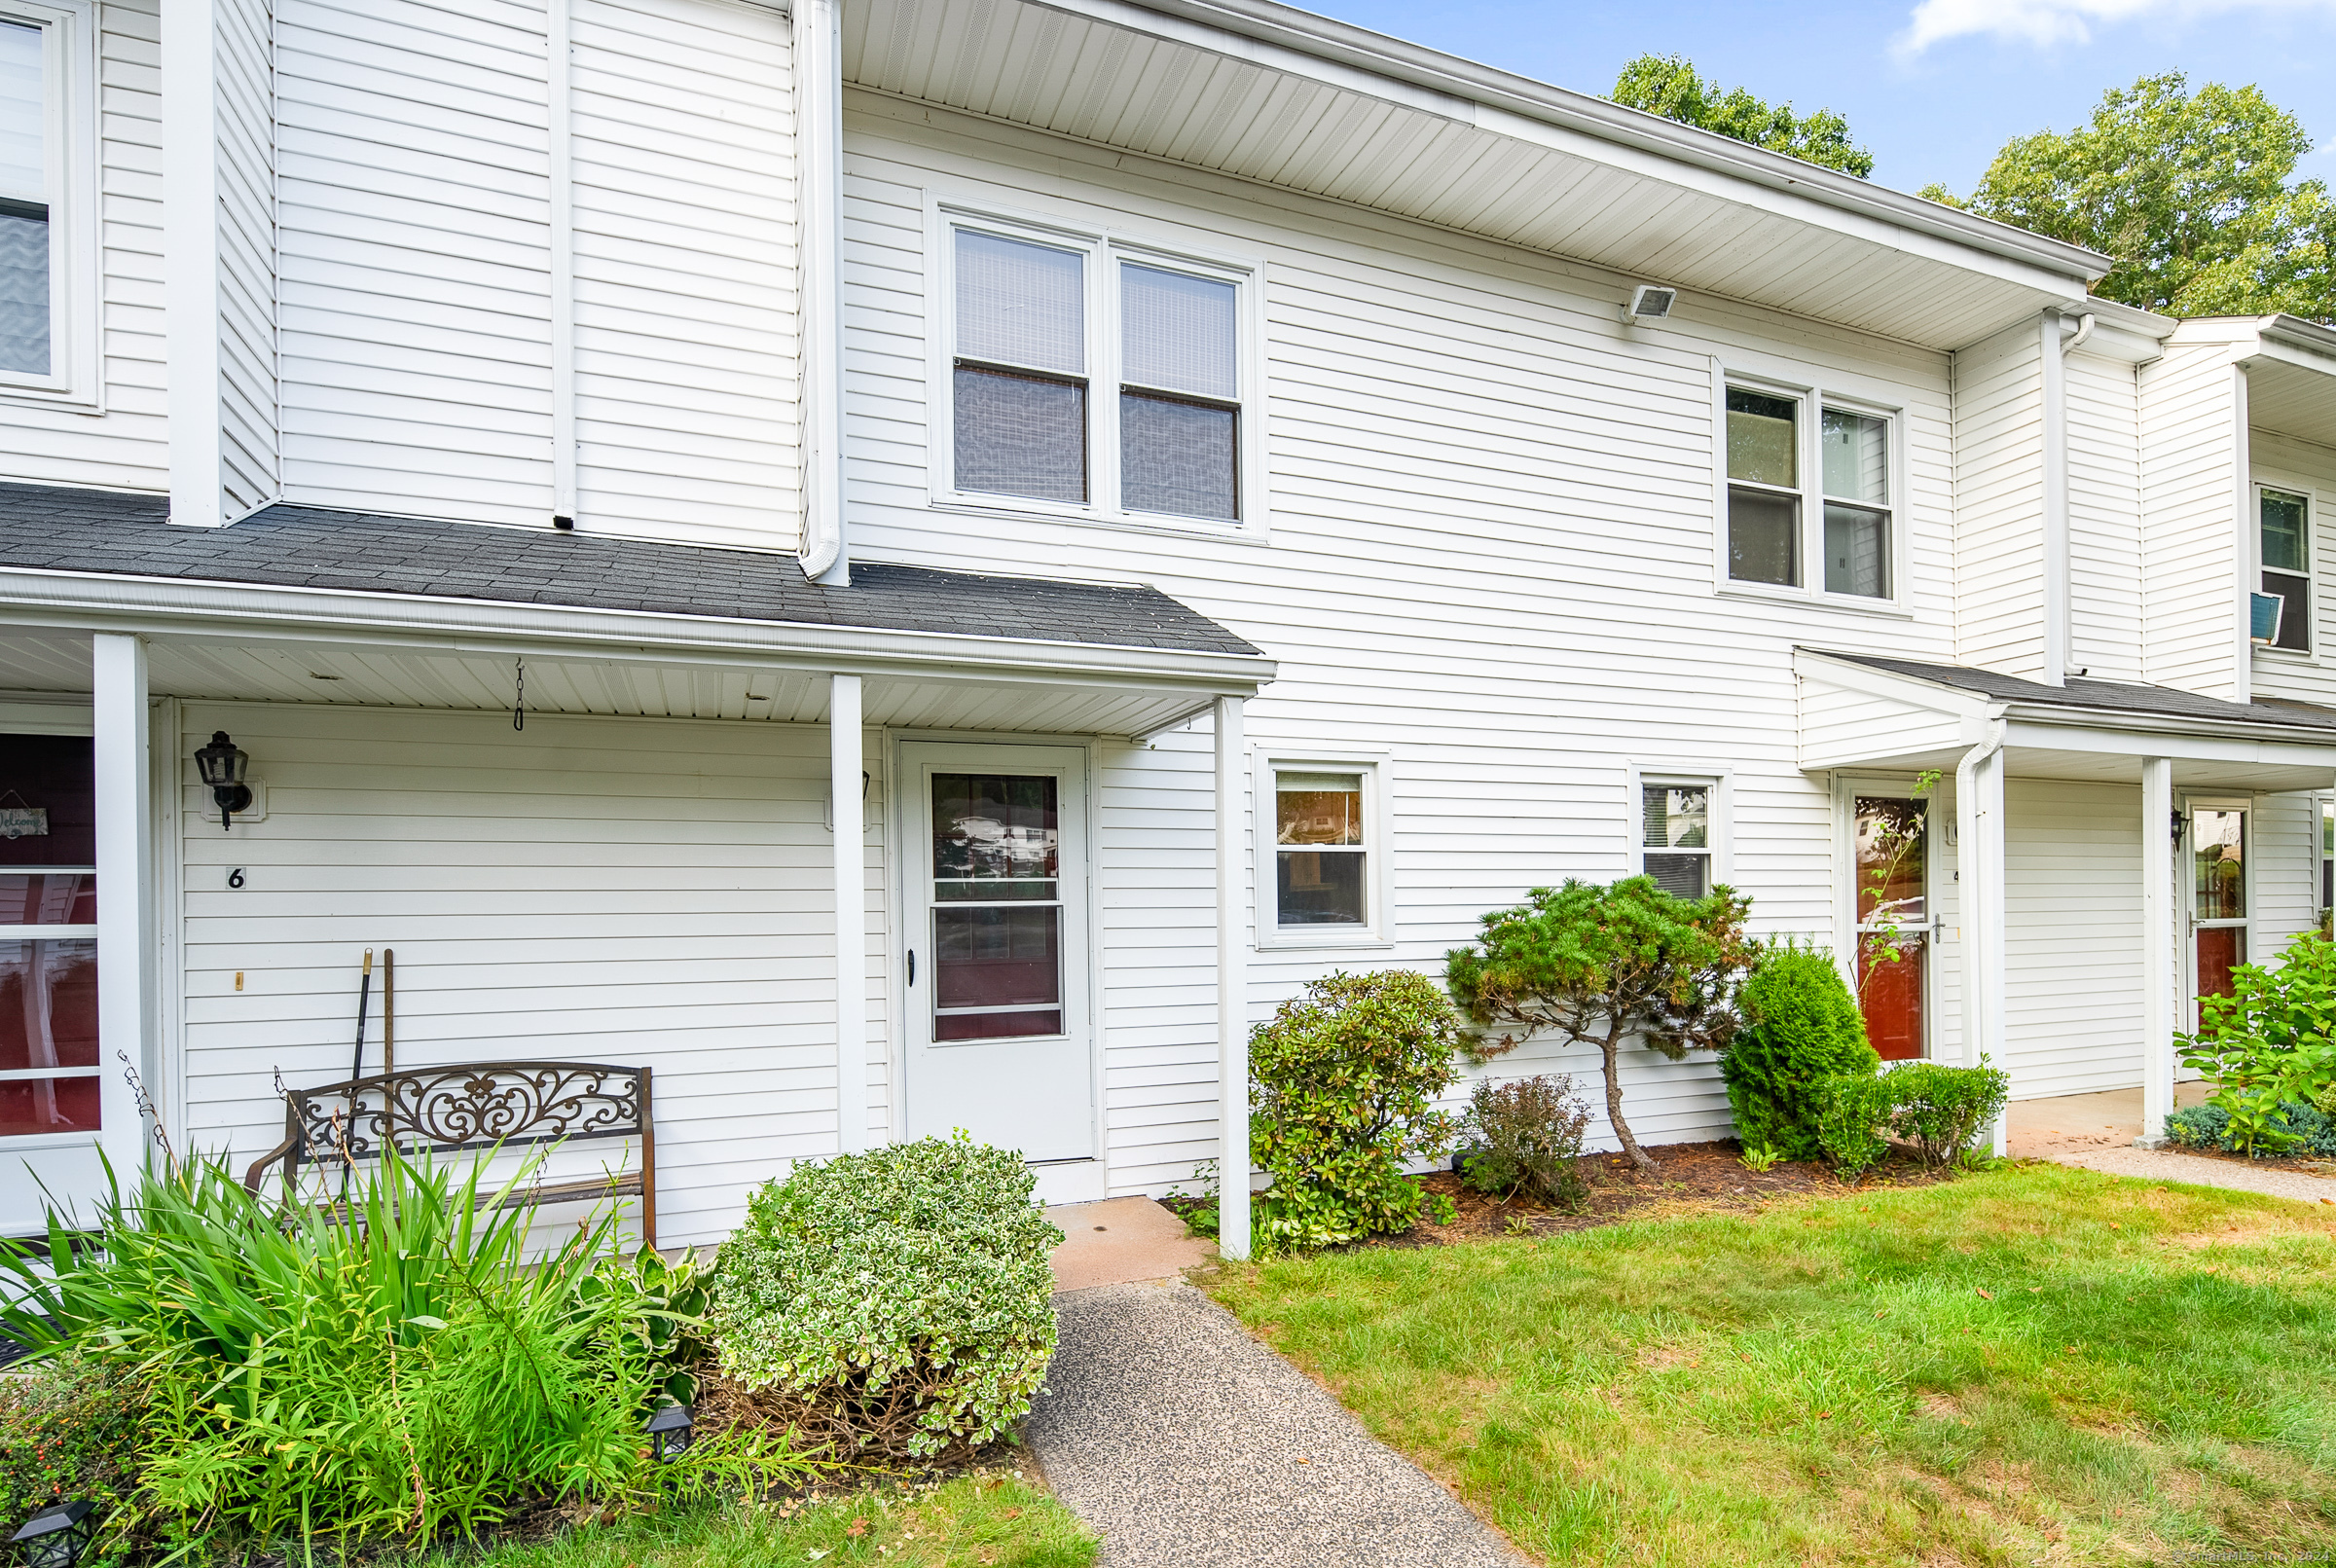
48 1005
23 170
1020 303
1857 456
49 773
1857 551
1021 435
1677 817
1762 444
2285 531
1318 808
995 837
996 969
2219 863
2295 615
1894 861
1178 457
1319 887
23 291
59 899
1763 538
1179 332
1682 876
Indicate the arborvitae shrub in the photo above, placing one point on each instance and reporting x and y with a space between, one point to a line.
1801 1026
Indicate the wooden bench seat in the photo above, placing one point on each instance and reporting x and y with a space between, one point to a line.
474 1106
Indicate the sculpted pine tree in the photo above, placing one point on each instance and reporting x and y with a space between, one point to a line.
1609 967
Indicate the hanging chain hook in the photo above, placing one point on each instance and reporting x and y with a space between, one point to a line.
519 697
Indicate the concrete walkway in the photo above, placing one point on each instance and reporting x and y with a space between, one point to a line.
1121 1240
2097 1131
1185 1443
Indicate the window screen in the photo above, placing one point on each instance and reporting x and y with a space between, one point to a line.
1179 454
1675 824
24 262
1020 397
1764 467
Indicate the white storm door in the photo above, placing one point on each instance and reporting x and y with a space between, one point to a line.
998 1039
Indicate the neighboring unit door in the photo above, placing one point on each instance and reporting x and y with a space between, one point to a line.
999 1041
2219 905
49 1060
1895 924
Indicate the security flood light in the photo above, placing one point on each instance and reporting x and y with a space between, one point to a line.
1650 301
221 767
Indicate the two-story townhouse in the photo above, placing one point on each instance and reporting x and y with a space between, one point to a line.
1117 510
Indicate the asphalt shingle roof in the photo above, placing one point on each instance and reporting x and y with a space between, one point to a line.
48 529
2105 696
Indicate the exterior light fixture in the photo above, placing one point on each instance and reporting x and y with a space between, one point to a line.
669 1429
222 766
1650 301
56 1536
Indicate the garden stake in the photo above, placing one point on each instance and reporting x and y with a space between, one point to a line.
389 1040
357 1063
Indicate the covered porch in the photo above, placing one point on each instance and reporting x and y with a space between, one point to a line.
608 800
2103 853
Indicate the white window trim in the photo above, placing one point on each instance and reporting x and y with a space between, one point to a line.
2315 557
1266 764
1718 778
70 142
1103 248
1815 395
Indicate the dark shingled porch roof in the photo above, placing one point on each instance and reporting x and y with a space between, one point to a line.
2142 703
48 529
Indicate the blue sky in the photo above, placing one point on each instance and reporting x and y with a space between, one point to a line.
1932 87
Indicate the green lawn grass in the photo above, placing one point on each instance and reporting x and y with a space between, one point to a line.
2033 1365
989 1520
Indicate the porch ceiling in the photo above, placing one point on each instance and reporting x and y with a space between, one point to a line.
2294 399
1267 92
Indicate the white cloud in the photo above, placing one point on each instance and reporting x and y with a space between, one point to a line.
2063 21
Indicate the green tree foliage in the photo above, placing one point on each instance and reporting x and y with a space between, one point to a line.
1343 1082
1667 84
1606 966
2191 193
1801 1026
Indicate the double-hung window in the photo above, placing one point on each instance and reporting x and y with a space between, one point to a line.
28 177
1778 519
2285 539
1675 835
1092 377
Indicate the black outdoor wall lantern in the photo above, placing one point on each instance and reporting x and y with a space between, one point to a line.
56 1535
669 1430
222 766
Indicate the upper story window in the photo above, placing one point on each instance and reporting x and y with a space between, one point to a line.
28 160
1094 379
2285 541
1779 521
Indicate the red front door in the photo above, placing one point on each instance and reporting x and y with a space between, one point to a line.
1894 921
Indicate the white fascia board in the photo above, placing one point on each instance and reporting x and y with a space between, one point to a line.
2045 727
1286 39
174 607
2309 337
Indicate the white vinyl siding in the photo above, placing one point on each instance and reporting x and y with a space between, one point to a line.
2302 469
2072 904
1998 503
2192 574
2104 517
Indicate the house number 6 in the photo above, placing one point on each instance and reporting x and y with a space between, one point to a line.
235 878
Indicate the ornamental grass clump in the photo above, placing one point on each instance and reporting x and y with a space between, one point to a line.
1343 1083
1801 1026
891 1304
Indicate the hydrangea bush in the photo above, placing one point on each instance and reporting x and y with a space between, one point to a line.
897 1301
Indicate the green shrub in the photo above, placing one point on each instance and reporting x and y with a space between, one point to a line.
892 1303
2271 1041
2299 1126
70 1428
1851 1109
1343 1082
1609 967
1801 1026
406 1374
1529 1134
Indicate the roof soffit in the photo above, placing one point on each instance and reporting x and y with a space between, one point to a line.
1547 170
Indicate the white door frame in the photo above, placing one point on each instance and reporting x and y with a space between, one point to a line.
905 810
1938 809
2185 876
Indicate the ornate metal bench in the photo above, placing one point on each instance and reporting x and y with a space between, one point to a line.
477 1104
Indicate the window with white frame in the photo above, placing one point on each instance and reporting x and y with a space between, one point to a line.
1322 848
1088 375
2285 541
29 162
1773 504
1675 834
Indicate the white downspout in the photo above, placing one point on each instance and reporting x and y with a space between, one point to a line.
1232 986
1980 871
2056 632
819 60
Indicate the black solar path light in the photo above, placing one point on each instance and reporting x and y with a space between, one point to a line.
56 1536
669 1430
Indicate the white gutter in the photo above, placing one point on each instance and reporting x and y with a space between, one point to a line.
1473 83
422 622
818 83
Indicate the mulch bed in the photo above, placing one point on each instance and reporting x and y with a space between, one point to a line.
2301 1164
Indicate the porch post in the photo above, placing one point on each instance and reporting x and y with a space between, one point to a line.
1233 991
2158 939
1979 869
843 765
123 803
